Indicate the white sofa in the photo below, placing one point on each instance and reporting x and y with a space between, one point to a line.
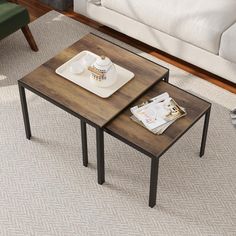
202 32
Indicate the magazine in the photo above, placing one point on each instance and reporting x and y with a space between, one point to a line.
158 113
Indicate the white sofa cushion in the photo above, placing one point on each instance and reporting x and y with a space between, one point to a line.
228 44
199 22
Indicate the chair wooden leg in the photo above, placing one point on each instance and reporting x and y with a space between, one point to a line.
29 37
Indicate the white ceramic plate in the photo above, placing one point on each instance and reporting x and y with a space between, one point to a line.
83 79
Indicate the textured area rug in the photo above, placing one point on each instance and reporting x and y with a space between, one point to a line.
45 190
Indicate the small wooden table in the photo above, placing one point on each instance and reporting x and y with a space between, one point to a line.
79 102
154 146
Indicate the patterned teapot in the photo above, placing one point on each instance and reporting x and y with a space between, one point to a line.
103 72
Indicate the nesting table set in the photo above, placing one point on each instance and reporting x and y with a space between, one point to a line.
112 115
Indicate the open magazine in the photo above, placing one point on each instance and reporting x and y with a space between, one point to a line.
158 113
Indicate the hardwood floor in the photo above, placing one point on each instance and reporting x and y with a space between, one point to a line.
38 9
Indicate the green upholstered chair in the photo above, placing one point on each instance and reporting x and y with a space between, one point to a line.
14 17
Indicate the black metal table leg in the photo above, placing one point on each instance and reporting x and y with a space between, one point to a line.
166 78
100 155
25 111
153 182
84 142
205 130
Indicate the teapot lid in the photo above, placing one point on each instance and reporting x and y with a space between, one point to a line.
103 62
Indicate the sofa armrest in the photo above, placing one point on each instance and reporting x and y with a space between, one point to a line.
227 45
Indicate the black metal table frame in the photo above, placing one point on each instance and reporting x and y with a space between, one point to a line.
100 139
83 121
155 159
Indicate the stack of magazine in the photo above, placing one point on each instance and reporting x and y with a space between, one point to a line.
158 113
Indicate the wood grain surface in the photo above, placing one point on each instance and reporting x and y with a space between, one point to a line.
93 108
129 131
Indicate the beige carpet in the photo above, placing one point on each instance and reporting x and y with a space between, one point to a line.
45 190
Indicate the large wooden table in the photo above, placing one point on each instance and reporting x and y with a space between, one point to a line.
90 108
112 114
